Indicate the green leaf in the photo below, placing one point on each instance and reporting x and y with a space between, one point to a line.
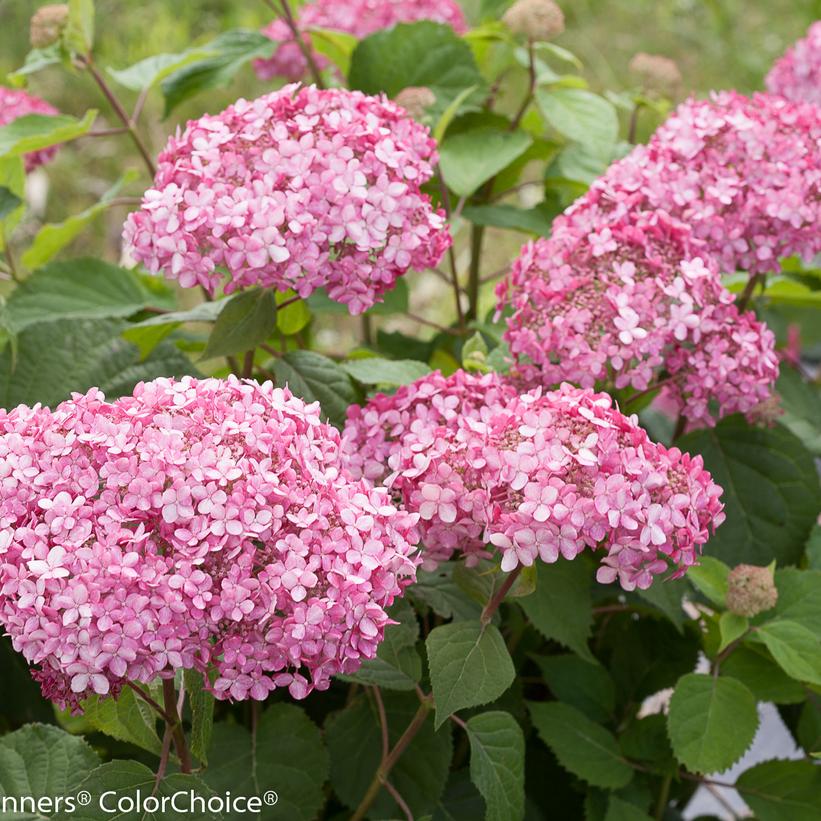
35 131
581 116
801 401
286 755
796 649
645 739
315 378
561 609
469 666
771 490
294 317
799 597
388 372
125 779
126 718
78 35
81 354
337 46
439 591
765 679
666 596
148 72
75 289
712 722
13 180
782 790
53 237
471 158
417 54
9 202
354 741
709 577
497 754
583 747
731 627
201 703
248 319
620 810
536 220
447 116
36 60
229 53
579 683
38 760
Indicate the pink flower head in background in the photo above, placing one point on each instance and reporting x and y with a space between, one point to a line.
194 524
541 475
797 75
302 188
743 172
15 103
357 17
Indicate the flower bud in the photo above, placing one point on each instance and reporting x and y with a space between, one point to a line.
750 590
535 19
47 25
415 100
767 412
656 73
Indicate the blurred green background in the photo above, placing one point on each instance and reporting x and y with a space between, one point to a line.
717 44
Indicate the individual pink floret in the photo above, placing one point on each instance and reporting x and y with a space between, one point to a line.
357 17
302 188
196 524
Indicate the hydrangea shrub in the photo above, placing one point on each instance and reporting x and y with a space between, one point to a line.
419 440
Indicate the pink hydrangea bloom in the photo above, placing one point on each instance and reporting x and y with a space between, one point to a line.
357 17
194 524
541 475
301 188
15 103
797 75
743 172
375 431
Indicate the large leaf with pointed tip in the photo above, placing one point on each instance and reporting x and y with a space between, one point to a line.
497 757
53 359
771 490
417 54
286 755
34 132
126 718
38 760
316 378
782 790
75 289
560 607
712 722
583 747
120 780
469 665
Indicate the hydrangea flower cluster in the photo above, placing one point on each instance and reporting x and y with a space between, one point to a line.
617 297
545 474
628 285
797 75
302 188
194 524
357 17
743 172
15 103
